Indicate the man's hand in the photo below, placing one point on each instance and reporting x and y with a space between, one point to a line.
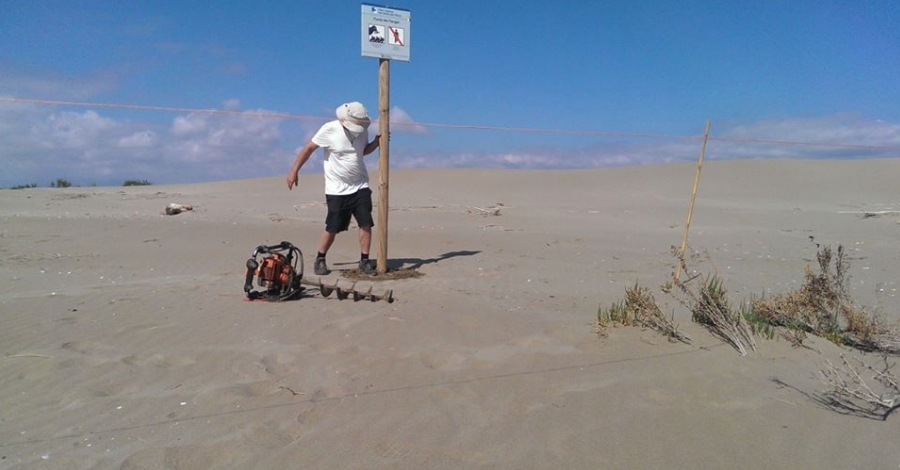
291 181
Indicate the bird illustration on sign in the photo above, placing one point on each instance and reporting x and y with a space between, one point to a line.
376 33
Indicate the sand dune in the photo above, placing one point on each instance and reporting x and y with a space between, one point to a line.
127 341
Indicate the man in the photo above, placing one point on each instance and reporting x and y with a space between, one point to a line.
347 192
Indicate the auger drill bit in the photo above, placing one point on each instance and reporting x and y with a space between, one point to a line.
344 293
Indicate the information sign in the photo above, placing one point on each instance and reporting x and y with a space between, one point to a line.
385 32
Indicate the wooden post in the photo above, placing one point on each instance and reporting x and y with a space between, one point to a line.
384 128
690 214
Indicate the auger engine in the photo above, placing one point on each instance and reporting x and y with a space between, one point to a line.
279 272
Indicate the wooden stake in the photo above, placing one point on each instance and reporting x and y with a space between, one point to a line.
384 108
690 214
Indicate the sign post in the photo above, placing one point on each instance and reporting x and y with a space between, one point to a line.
384 158
385 35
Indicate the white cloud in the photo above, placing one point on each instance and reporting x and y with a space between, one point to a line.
73 130
834 136
139 139
775 138
87 146
192 124
401 121
835 128
226 146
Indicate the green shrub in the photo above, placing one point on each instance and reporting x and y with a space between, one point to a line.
60 183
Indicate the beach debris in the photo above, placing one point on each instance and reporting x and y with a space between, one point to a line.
492 211
871 214
14 356
293 392
173 209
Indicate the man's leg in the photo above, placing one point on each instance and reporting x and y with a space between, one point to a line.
365 240
326 240
362 211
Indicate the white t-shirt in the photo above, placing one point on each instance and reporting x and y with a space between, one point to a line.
345 169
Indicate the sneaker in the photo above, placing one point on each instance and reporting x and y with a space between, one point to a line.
366 266
321 268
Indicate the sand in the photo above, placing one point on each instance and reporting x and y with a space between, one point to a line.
126 341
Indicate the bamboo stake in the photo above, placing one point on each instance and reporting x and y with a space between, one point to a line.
690 214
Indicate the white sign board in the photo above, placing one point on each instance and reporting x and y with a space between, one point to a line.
385 32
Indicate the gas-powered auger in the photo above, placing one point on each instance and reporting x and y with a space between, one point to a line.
279 272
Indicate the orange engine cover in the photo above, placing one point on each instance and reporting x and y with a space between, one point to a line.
274 271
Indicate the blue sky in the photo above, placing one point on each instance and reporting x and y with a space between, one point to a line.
616 78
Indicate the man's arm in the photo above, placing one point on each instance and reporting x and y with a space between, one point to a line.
302 156
371 146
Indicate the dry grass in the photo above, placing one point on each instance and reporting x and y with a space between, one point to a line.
707 300
820 307
639 308
870 332
710 307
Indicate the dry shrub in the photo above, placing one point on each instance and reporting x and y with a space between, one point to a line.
639 308
821 305
870 332
858 388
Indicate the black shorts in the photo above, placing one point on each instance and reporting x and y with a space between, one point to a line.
340 208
